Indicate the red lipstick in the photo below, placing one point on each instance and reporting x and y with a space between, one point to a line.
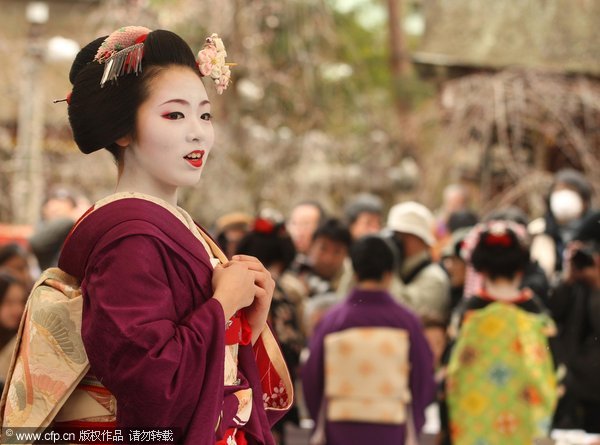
195 158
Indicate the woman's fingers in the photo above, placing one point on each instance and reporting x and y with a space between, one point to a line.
251 262
262 276
261 293
248 258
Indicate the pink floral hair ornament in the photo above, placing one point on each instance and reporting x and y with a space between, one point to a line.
211 62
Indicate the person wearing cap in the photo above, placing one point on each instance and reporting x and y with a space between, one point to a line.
231 228
568 203
575 307
363 215
419 283
326 258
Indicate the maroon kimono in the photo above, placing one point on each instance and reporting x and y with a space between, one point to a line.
153 335
369 308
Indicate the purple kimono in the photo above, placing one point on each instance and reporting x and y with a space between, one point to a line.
153 335
370 309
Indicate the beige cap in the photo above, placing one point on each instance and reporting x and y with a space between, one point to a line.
233 219
414 218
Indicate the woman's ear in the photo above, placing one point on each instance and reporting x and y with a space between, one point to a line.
124 141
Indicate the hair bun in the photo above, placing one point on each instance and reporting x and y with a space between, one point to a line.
85 56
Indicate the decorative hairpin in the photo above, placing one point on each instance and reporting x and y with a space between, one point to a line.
122 52
211 62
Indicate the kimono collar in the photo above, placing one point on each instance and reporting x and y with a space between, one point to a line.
364 296
122 215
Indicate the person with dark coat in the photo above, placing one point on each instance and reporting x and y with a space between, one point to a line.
575 306
569 202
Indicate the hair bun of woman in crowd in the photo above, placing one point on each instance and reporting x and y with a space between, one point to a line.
500 255
175 332
499 251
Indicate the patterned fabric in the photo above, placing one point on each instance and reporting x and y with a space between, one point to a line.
274 377
366 375
50 359
90 405
233 437
501 387
285 322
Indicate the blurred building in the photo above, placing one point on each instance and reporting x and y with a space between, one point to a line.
519 86
465 36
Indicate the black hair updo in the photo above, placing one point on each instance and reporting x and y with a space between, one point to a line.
499 255
101 115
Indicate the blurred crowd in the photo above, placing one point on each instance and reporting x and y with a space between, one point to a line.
437 266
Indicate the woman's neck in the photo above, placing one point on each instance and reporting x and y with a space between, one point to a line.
127 184
503 289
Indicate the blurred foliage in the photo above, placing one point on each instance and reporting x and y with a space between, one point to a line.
314 110
310 113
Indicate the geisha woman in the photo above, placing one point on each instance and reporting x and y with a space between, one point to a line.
175 334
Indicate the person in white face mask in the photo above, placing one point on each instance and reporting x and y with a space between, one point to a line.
566 205
568 202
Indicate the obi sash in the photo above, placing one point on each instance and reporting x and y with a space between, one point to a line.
367 374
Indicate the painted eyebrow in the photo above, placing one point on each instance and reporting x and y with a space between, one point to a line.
184 102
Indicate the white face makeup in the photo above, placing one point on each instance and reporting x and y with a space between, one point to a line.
174 135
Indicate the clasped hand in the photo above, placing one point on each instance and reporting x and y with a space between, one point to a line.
244 282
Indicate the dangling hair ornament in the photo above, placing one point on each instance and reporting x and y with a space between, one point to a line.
211 62
122 52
